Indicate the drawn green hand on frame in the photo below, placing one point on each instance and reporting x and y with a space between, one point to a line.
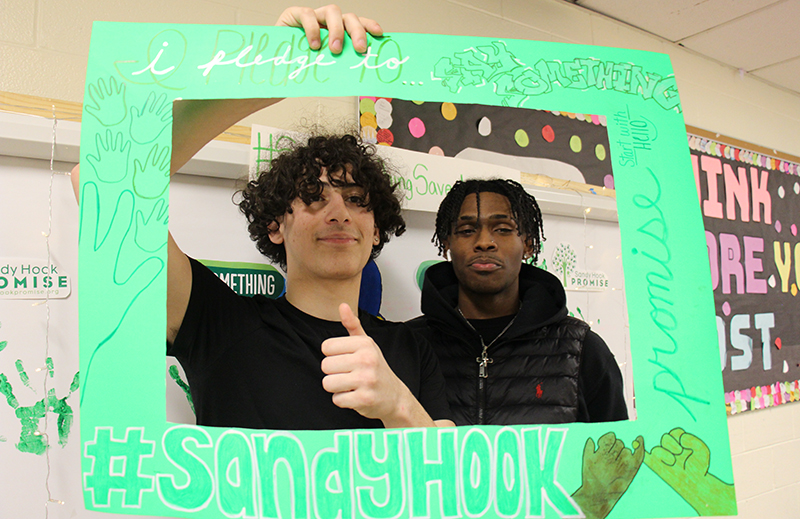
607 473
122 286
682 461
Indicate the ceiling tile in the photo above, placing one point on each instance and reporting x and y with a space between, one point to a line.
551 17
786 74
676 19
758 40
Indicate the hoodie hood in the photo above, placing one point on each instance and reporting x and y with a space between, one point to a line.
543 300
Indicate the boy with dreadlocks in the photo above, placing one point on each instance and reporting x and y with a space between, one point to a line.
508 349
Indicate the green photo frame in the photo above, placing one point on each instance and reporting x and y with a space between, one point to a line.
672 461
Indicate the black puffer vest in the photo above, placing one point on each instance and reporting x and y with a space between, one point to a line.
531 375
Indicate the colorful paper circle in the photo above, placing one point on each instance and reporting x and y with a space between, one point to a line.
521 137
385 137
600 152
485 127
383 106
369 135
384 120
548 133
416 127
575 144
368 119
449 111
366 105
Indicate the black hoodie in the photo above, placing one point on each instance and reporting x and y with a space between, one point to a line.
545 367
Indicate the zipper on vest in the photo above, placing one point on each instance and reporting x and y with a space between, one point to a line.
483 365
483 373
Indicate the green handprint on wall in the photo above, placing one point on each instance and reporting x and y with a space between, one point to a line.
107 101
3 345
148 123
176 376
30 438
114 152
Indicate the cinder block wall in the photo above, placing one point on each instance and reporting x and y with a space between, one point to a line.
44 44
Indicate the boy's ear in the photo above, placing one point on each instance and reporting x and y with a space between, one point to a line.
276 231
527 251
446 245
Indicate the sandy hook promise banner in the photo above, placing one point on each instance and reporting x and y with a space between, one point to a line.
673 461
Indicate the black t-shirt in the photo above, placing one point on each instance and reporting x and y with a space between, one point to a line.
255 362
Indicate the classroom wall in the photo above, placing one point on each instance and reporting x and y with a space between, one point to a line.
44 44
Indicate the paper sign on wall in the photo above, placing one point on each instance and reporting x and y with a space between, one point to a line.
134 461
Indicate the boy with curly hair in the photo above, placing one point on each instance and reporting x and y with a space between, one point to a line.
305 360
308 360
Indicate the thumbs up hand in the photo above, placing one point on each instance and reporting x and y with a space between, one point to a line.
359 378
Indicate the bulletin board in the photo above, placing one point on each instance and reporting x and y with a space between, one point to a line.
750 203
674 460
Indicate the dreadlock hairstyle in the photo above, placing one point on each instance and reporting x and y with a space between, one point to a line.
295 174
524 208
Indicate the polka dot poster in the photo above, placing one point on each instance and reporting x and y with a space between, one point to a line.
580 140
376 120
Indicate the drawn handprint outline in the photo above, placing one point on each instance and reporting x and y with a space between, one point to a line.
107 101
110 245
115 155
31 440
149 122
151 178
148 235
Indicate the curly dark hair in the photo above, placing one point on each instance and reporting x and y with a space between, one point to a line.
295 174
524 208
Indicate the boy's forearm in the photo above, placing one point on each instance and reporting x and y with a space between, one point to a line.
195 123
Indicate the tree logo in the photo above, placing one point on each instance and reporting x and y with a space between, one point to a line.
565 265
564 261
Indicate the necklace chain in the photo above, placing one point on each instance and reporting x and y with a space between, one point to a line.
484 360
